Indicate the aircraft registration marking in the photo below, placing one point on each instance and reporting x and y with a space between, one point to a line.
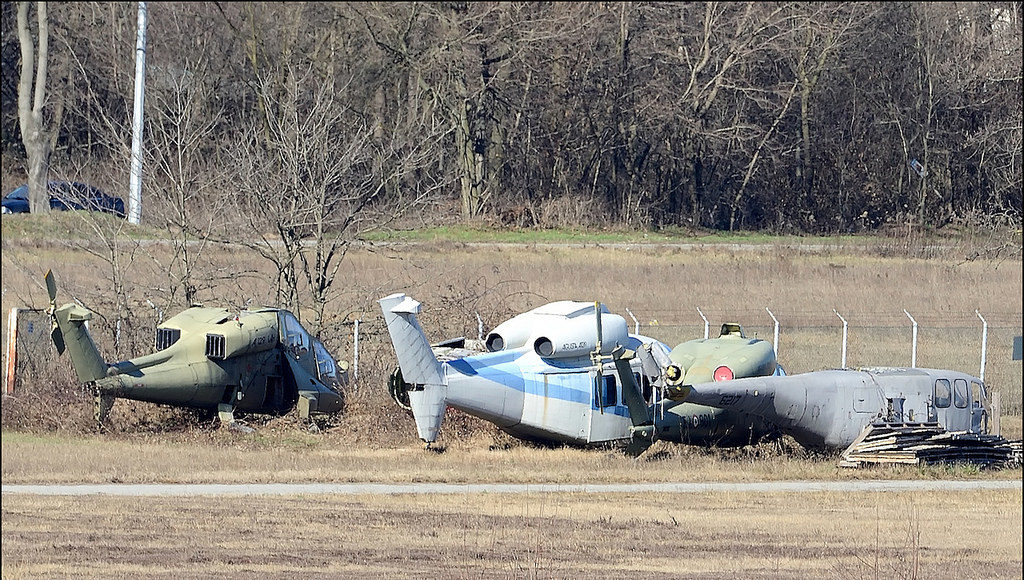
730 399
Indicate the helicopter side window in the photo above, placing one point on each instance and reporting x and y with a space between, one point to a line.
646 391
608 395
326 368
295 338
960 393
977 394
941 397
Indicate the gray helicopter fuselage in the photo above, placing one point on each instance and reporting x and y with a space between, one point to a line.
828 409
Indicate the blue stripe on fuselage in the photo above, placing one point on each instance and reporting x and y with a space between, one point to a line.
507 368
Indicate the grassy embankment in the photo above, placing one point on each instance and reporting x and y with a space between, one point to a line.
870 281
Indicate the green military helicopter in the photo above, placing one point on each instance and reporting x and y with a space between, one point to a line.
254 361
729 356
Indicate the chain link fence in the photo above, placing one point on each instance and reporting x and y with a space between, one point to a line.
807 342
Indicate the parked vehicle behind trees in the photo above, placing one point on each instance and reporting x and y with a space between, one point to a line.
66 195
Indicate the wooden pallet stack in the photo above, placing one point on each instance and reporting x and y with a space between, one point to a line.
928 443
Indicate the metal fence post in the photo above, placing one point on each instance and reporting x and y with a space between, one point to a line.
843 364
984 343
775 344
355 351
636 323
706 327
913 349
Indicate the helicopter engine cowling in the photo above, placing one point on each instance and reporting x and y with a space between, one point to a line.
251 334
523 329
577 336
508 335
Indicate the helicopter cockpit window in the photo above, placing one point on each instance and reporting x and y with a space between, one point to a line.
942 392
326 368
295 338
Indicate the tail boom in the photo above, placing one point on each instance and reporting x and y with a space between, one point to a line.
420 367
88 362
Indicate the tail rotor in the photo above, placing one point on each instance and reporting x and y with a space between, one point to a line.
55 332
69 332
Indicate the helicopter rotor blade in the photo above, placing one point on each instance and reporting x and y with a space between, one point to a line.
55 332
51 287
58 339
639 413
598 361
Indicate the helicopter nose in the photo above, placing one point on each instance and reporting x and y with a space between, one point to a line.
673 375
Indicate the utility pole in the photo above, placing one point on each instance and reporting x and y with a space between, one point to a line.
135 182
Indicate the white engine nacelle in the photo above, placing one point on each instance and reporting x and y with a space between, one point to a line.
577 337
559 329
508 335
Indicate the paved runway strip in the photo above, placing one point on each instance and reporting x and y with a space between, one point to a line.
217 489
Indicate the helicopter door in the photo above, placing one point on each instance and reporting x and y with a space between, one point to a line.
979 409
609 419
958 415
951 404
564 408
894 409
274 398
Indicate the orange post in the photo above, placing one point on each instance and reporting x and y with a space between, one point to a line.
12 350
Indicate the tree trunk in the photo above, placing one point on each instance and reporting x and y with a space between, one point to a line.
30 106
470 148
471 164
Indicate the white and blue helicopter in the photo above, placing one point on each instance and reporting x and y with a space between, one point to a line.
550 377
560 373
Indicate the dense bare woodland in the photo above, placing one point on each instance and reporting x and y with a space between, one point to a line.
277 134
797 117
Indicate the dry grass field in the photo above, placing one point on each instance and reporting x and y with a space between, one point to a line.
283 454
719 535
48 436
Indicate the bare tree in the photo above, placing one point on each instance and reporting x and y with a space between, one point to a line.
820 30
37 124
462 62
188 187
312 180
571 113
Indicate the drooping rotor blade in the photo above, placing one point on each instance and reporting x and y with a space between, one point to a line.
654 357
55 333
639 412
51 287
58 339
595 357
641 441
